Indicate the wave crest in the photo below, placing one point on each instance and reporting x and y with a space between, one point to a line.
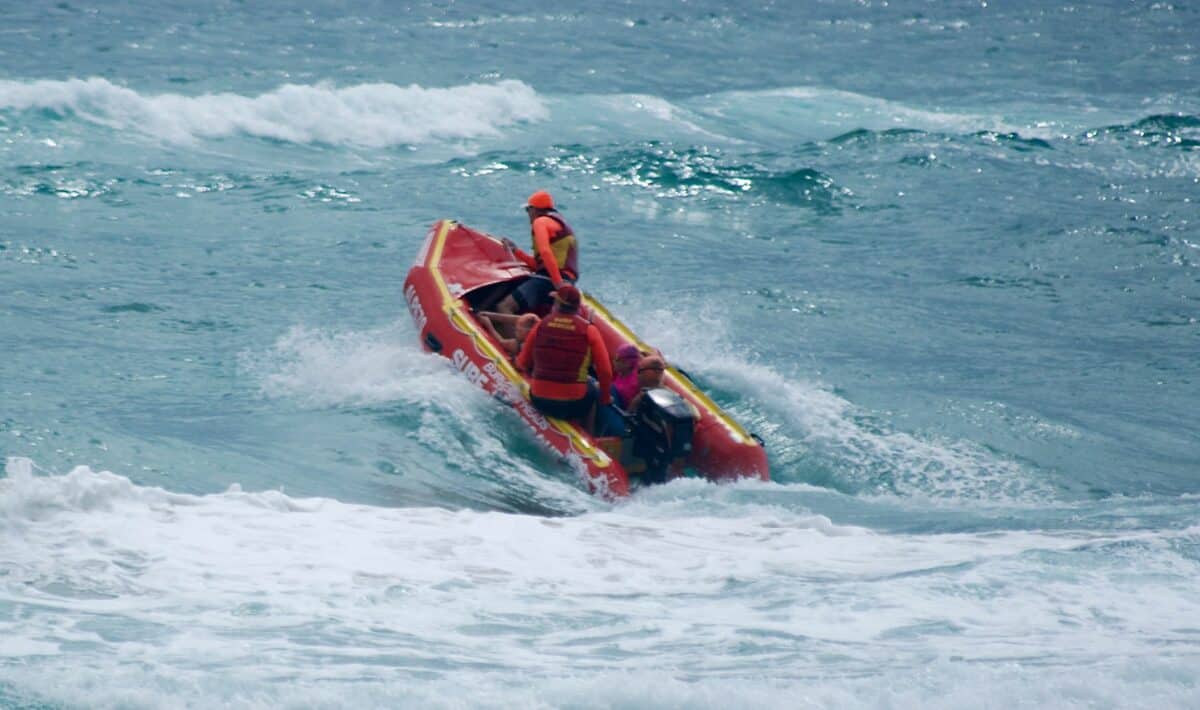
369 115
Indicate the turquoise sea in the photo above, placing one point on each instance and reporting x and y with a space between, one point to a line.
944 257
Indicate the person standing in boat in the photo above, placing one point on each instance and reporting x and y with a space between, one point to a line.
555 258
557 354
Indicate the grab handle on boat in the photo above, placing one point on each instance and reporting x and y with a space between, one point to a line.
434 344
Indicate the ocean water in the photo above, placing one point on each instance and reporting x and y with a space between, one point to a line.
943 257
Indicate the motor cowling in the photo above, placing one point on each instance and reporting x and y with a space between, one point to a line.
662 432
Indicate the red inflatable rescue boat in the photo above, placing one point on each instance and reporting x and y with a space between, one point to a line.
678 429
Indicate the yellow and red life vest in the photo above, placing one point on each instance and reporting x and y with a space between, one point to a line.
561 352
565 248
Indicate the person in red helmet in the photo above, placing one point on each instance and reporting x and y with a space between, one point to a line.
557 355
555 258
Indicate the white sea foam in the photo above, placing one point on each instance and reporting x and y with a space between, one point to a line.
804 113
334 368
372 115
383 366
943 684
380 114
355 368
866 451
132 595
847 109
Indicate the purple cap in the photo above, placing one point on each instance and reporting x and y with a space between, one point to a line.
628 351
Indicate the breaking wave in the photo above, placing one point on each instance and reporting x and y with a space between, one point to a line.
369 115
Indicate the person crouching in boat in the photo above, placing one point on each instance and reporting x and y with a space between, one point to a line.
557 354
522 324
555 258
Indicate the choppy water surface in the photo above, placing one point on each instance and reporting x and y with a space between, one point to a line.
943 258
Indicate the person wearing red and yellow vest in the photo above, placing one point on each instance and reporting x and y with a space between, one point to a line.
557 354
555 258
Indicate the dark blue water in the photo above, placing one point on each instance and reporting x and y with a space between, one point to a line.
943 257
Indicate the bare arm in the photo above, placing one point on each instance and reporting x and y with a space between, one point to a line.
541 242
507 318
602 362
524 361
509 344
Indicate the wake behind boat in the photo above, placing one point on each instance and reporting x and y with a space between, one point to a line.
676 429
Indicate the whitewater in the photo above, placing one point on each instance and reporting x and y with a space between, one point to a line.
942 260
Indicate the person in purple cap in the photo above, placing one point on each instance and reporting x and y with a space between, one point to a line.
625 376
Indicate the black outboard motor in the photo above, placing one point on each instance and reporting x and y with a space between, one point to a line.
662 433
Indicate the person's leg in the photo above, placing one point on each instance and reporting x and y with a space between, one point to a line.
609 421
516 302
508 306
525 298
533 293
557 408
487 325
582 410
588 404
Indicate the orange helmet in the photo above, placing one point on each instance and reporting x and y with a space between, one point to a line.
540 200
